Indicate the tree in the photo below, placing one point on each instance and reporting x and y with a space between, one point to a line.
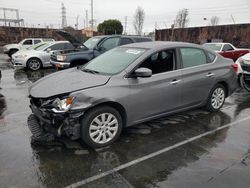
181 19
214 20
139 18
110 27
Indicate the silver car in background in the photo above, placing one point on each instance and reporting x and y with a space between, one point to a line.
39 56
128 85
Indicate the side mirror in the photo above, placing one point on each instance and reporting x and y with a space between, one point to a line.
48 50
143 73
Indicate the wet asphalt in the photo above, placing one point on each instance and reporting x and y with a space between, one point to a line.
214 149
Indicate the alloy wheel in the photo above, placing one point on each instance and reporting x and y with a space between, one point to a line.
34 64
103 128
218 98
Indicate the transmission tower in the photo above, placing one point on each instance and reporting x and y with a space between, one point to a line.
64 20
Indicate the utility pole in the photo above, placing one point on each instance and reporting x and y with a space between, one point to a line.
77 18
125 25
87 19
92 15
64 20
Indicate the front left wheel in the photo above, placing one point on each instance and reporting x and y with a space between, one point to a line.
34 64
101 126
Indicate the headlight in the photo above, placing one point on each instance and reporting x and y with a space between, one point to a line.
62 105
20 56
60 57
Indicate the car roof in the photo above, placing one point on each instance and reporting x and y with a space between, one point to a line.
122 36
221 43
63 41
160 45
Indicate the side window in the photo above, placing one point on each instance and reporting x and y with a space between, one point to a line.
110 43
192 57
27 42
125 41
227 47
59 46
36 41
163 61
211 57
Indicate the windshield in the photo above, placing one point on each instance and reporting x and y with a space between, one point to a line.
92 42
214 47
113 61
42 47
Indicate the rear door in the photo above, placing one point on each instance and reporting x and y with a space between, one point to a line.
197 75
53 48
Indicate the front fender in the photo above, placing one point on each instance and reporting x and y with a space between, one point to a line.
82 102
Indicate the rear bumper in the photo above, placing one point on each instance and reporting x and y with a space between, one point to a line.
59 64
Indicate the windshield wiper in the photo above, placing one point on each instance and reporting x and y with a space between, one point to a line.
90 71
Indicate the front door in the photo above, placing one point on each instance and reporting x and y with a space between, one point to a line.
160 93
106 45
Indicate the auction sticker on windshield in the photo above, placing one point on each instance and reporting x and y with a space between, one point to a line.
134 51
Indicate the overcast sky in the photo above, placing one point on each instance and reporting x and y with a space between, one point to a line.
162 12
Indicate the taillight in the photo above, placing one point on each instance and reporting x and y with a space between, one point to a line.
235 67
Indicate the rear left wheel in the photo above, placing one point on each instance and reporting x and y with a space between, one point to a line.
216 98
101 126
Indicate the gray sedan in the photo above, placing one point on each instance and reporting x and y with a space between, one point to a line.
126 86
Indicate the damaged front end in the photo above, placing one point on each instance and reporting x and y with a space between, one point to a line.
52 118
244 72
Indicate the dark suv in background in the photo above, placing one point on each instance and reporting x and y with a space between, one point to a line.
90 49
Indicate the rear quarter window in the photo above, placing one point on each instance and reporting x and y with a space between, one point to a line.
211 57
142 40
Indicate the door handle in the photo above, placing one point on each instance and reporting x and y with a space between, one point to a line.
174 82
210 75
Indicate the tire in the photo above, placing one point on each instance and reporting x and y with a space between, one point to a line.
216 98
34 64
92 123
11 52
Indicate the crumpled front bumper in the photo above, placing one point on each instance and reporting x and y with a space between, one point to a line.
18 63
47 126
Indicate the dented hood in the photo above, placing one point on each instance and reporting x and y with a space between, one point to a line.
64 82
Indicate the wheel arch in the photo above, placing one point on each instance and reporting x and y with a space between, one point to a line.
226 86
117 106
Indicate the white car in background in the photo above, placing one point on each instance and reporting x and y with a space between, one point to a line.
39 57
10 49
243 65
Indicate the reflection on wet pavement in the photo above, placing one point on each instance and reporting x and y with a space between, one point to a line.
217 160
24 76
2 106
